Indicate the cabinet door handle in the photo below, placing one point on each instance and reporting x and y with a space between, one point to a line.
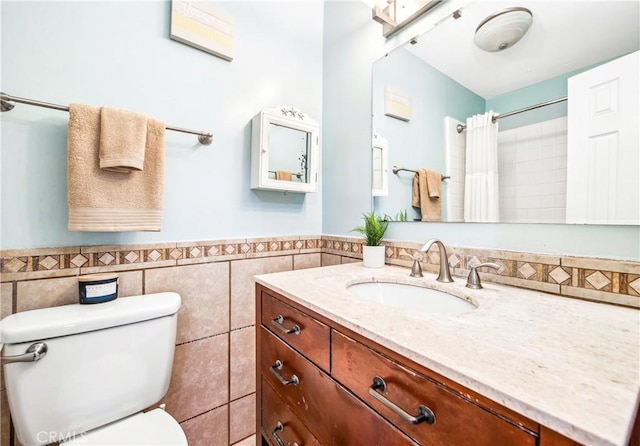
274 433
424 413
278 321
285 382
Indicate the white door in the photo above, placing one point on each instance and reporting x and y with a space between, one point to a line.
603 152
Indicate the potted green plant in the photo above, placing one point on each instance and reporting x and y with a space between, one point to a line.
373 230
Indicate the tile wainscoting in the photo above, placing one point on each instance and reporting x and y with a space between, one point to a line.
212 390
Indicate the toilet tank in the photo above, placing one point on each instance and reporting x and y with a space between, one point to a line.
104 362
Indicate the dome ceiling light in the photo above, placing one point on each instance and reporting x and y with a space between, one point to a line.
503 29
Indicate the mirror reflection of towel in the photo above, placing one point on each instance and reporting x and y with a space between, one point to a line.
283 175
426 194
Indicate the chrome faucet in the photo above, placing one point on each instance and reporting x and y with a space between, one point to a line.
444 275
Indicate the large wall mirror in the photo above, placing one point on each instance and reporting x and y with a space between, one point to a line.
442 78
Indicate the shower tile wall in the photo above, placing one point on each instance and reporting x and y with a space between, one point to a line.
533 172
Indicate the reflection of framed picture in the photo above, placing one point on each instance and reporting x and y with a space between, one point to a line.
397 104
202 26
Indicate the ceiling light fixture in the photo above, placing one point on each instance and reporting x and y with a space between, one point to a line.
503 29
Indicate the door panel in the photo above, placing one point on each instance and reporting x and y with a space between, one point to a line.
603 184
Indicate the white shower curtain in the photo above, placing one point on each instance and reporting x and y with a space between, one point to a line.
481 201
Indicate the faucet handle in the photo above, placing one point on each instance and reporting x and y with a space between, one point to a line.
416 268
416 256
473 281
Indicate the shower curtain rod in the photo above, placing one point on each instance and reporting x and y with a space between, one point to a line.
205 138
461 127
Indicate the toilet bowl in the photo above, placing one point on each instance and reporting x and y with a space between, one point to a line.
85 374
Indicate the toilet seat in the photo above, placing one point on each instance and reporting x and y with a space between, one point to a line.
153 428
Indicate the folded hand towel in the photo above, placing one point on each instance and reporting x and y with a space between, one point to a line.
123 135
283 175
430 208
104 201
434 183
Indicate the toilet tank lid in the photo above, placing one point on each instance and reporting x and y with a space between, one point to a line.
66 320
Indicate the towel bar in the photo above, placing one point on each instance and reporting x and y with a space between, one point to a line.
397 169
7 101
297 175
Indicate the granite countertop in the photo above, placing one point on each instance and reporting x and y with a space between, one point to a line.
570 365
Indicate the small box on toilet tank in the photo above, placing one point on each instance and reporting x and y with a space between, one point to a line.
98 288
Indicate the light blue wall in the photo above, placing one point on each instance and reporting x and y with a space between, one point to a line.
347 72
553 88
120 54
351 42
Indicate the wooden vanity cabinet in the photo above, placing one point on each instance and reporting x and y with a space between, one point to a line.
280 423
458 420
303 333
317 382
323 408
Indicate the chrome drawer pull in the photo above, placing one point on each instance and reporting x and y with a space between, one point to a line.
285 382
424 413
274 433
279 320
35 352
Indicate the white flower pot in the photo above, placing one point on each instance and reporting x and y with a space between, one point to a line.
373 256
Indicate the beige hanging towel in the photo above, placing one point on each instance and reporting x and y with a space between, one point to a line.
426 194
283 175
104 201
123 137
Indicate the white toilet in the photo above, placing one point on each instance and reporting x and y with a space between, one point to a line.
102 365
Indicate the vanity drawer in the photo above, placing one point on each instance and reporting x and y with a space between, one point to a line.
278 421
309 336
458 420
333 415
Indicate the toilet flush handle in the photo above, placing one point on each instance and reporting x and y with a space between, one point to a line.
35 352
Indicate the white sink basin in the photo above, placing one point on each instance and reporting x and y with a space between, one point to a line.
410 297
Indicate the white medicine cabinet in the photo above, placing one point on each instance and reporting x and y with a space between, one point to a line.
379 166
284 150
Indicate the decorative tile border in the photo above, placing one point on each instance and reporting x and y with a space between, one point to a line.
16 265
604 280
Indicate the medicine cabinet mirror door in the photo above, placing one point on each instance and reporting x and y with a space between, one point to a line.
284 152
380 167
